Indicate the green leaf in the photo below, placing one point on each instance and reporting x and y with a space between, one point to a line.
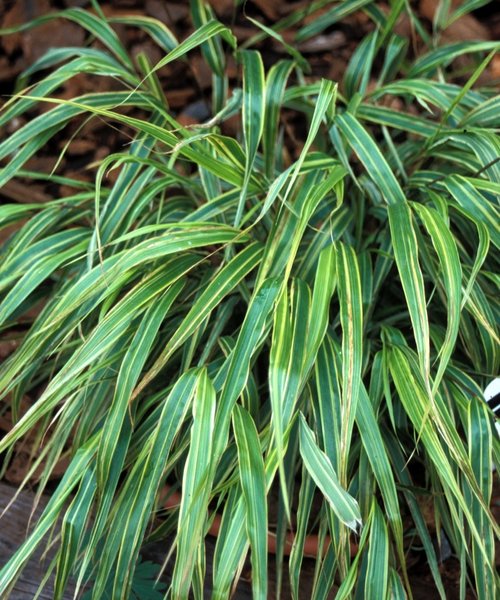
351 318
321 470
377 570
254 493
357 74
73 475
442 56
254 94
371 157
376 452
475 204
195 487
405 247
415 402
333 15
449 260
130 371
72 530
238 362
275 88
135 501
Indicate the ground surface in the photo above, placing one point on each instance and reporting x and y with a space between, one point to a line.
13 528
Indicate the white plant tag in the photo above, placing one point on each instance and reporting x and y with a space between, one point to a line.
492 397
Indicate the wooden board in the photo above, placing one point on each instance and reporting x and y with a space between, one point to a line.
13 528
15 524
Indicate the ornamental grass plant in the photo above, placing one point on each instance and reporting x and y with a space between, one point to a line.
219 320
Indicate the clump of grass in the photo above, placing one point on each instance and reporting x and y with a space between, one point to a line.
227 321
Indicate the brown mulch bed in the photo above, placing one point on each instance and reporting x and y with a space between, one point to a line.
187 84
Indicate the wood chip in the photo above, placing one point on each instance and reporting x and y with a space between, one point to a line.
167 12
18 191
323 43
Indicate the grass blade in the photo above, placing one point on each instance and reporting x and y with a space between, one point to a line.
323 475
254 494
